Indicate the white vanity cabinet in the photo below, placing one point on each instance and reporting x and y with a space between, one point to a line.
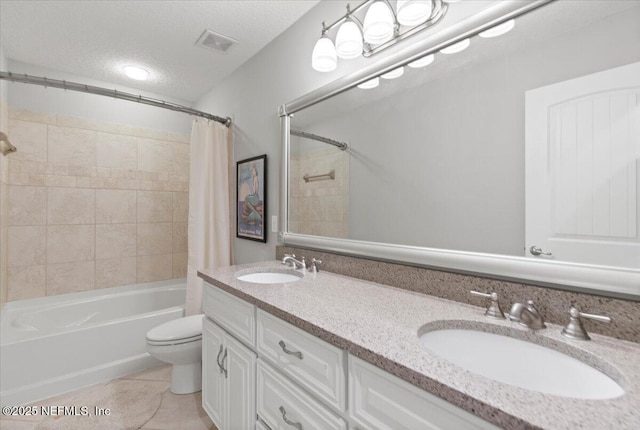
264 373
381 401
228 361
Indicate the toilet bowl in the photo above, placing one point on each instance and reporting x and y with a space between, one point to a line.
179 342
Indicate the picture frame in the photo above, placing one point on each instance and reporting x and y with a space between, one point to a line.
251 198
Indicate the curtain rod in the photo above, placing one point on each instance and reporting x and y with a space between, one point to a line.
74 86
341 145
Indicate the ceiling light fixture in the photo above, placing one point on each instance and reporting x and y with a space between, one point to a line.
395 73
456 47
137 73
371 83
422 62
380 28
499 29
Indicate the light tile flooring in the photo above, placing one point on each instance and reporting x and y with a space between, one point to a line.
138 401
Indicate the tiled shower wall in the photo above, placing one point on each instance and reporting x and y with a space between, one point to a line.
4 194
319 207
93 205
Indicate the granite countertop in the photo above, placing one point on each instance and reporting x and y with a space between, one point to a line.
381 324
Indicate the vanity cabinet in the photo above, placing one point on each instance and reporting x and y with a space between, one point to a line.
228 379
264 373
381 401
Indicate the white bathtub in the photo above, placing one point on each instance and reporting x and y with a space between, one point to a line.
53 345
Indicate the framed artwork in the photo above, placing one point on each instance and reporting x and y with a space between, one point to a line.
251 198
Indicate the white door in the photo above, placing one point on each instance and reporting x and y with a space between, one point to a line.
582 152
213 380
240 366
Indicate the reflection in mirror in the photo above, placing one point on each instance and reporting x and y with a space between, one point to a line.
438 156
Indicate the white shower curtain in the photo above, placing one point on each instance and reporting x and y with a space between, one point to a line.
210 195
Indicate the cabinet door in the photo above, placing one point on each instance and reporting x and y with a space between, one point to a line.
240 367
213 381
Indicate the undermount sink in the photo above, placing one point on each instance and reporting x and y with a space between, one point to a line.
269 276
520 363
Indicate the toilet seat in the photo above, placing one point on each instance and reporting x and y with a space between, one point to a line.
176 332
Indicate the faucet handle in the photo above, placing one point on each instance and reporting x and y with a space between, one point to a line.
493 311
575 329
314 265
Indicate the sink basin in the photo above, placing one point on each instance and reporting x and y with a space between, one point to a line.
269 276
520 363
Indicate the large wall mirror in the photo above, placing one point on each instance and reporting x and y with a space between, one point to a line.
518 157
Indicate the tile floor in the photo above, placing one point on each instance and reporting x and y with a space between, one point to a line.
138 401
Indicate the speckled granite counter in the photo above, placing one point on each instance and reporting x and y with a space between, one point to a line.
381 324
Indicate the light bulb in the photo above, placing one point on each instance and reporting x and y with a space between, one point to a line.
413 12
137 73
422 62
371 83
324 58
456 47
378 23
348 41
395 73
498 30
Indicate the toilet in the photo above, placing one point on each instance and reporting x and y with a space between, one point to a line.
179 342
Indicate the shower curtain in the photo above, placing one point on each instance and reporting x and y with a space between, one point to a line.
210 194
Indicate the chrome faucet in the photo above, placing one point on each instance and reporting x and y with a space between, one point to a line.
526 315
575 329
294 263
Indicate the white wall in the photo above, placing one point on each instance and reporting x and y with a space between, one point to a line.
90 106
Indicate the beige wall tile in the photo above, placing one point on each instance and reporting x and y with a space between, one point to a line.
179 237
71 145
154 268
180 207
115 206
154 155
68 243
27 205
178 137
155 206
115 241
154 238
28 115
180 265
181 161
70 277
71 206
116 150
27 282
30 138
115 272
27 246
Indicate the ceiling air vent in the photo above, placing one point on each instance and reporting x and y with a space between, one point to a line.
215 41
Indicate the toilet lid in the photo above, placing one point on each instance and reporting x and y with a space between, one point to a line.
182 328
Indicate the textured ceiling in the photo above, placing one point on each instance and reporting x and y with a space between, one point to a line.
96 38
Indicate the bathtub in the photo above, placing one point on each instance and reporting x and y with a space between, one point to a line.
56 344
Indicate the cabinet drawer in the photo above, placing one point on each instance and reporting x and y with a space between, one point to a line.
381 401
281 404
233 314
313 363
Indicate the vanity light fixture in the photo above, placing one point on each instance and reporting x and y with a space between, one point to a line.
371 83
137 73
324 57
377 29
395 73
499 29
422 62
456 47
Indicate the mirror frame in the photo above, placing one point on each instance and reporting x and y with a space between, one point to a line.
601 280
